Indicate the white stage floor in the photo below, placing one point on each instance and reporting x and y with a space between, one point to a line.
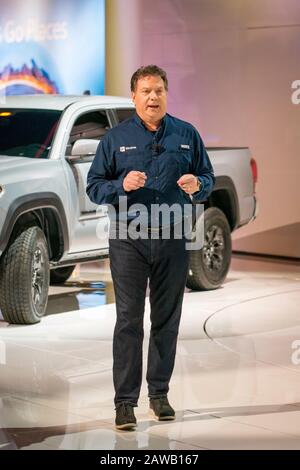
236 383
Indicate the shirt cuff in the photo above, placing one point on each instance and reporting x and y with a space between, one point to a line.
118 184
197 193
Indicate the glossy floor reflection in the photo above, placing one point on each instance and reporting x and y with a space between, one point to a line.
236 383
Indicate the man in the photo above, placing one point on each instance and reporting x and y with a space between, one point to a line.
152 158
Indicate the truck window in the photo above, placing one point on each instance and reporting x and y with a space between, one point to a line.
90 126
27 132
124 113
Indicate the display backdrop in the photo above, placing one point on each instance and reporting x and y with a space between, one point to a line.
233 69
52 46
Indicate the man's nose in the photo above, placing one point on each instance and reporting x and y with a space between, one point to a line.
153 95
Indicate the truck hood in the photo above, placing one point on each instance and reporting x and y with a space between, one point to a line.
7 163
16 170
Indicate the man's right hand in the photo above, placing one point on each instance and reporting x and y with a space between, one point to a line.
134 180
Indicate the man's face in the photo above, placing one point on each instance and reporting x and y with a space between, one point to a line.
150 98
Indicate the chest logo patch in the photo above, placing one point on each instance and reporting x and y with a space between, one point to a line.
123 149
185 146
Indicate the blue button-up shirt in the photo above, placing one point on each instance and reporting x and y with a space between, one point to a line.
175 149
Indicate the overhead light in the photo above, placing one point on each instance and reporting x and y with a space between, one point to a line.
5 114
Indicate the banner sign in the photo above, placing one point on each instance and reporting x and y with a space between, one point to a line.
52 46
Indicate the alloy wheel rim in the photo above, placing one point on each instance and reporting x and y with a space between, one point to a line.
37 280
213 249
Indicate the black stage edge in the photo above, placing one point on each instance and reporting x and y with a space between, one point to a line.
134 459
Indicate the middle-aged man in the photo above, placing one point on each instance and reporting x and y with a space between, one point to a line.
152 159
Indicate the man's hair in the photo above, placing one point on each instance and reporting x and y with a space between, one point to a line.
145 71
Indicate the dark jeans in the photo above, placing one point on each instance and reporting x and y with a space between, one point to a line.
165 264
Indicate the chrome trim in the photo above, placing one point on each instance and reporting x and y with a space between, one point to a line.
256 209
91 216
81 257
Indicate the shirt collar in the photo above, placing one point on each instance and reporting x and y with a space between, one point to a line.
140 122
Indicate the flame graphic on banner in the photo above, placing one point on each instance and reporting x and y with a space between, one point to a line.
26 81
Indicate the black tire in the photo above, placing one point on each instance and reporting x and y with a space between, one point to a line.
24 278
60 275
209 266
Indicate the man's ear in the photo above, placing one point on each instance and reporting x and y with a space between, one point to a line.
133 96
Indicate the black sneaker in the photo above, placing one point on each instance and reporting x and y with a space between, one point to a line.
125 418
161 409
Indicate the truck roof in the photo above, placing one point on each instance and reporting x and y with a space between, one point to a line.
60 102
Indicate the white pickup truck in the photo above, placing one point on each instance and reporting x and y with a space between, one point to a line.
47 222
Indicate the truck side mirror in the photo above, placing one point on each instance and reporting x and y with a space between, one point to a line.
84 148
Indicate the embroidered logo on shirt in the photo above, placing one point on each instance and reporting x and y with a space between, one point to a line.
123 149
185 146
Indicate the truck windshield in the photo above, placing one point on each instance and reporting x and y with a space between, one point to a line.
27 132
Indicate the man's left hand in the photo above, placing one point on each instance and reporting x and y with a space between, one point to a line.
188 183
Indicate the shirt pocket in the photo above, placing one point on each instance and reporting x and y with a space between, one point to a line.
183 159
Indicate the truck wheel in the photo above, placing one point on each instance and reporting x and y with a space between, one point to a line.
60 275
24 278
209 266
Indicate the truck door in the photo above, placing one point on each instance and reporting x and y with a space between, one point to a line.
90 226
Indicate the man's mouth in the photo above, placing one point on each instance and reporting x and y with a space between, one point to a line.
153 106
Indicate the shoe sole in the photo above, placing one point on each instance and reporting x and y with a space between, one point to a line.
126 426
161 418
